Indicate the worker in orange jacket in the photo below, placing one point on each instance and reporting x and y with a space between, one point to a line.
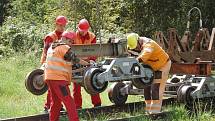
84 36
60 23
152 54
58 74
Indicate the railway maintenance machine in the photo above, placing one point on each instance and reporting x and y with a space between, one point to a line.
128 75
192 62
191 82
191 78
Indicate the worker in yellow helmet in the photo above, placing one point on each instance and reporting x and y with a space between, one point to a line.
152 54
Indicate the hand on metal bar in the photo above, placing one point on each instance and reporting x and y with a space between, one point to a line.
133 53
42 66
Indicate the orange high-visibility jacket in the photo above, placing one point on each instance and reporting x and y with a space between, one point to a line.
54 37
153 55
56 67
89 38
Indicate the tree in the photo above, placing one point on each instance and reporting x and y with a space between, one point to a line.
4 7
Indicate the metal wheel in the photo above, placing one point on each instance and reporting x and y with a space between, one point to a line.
138 83
142 82
115 95
34 82
92 84
175 80
184 94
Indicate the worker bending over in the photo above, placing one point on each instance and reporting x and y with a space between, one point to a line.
153 55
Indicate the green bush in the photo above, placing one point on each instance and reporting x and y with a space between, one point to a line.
31 19
21 36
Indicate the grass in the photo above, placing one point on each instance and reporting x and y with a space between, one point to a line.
16 101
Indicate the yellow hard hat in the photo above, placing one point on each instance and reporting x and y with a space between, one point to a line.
132 40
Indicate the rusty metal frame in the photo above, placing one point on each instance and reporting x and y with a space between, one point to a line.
181 51
192 69
161 39
211 39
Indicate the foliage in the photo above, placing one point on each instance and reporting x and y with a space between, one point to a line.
147 16
24 23
16 101
19 36
27 21
4 7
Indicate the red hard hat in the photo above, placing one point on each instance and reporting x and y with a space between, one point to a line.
61 20
83 25
69 35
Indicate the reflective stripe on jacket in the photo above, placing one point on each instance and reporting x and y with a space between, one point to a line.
153 55
56 67
54 37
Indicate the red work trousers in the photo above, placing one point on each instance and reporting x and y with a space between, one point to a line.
48 100
96 101
59 92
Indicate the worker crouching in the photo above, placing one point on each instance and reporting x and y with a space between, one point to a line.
153 55
58 70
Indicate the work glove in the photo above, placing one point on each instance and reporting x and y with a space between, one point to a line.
42 66
76 66
133 53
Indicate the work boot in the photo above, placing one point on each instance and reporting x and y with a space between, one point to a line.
46 110
148 113
157 116
62 109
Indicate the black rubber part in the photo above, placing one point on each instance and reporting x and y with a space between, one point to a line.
115 95
30 80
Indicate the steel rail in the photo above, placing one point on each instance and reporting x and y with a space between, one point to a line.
93 112
157 116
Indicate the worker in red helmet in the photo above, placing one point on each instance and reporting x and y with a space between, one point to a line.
84 36
58 74
60 24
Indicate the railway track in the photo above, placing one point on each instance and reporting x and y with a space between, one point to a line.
93 112
139 117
